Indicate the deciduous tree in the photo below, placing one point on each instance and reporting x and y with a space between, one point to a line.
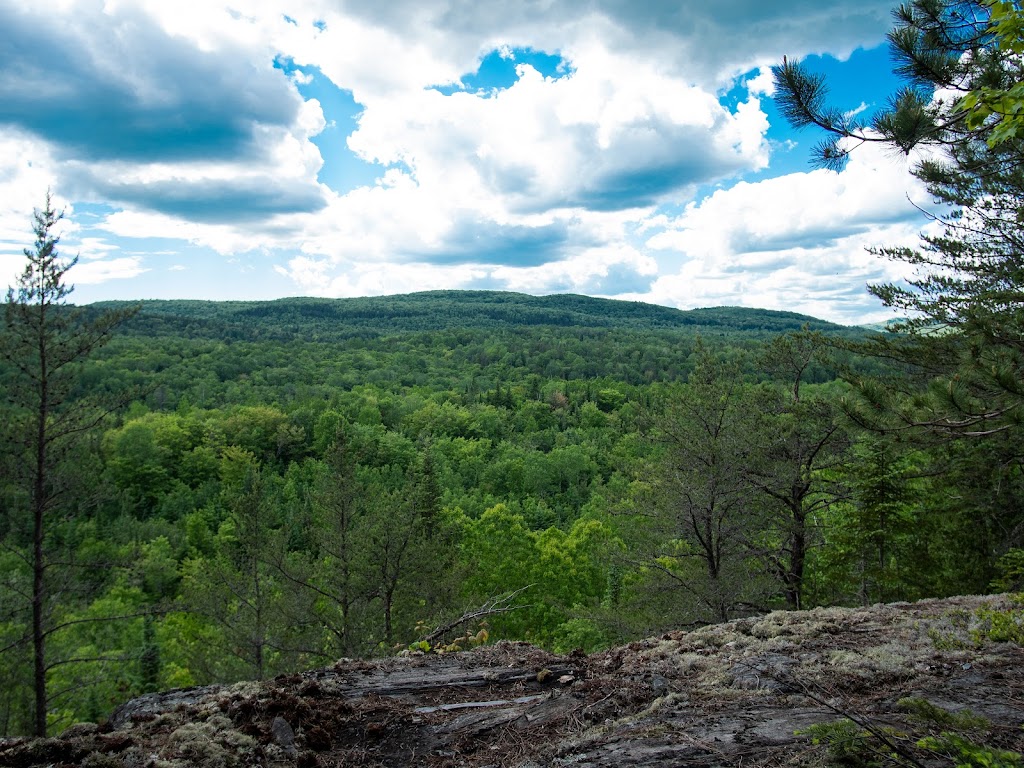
696 536
798 447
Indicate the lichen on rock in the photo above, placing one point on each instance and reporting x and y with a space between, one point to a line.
745 691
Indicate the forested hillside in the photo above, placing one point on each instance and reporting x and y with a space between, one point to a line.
272 485
442 310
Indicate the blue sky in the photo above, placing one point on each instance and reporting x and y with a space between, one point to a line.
270 149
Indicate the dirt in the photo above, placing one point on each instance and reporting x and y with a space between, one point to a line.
739 693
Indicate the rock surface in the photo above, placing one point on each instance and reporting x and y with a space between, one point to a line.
731 694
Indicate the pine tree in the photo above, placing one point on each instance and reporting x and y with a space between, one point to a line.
962 335
44 344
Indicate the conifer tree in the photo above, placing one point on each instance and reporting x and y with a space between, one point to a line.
44 344
962 332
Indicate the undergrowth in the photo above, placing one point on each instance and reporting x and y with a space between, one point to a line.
959 739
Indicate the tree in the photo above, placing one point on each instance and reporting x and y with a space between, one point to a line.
801 445
1000 106
337 574
957 354
408 550
45 344
959 58
962 333
695 538
258 623
881 546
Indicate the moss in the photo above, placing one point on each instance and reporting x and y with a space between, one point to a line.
997 620
889 657
844 659
780 642
772 625
167 721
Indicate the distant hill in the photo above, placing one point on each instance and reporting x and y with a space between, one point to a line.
324 319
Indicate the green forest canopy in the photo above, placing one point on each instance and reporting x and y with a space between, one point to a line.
303 479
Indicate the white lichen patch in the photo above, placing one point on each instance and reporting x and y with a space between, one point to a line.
212 743
891 657
779 644
798 625
883 662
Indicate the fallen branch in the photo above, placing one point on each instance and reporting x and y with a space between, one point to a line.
494 605
821 696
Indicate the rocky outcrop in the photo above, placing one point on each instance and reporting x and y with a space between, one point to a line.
739 693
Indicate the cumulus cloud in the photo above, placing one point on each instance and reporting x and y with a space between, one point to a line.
112 93
597 271
323 277
238 200
128 90
225 239
26 173
633 124
607 271
702 43
188 120
795 242
613 134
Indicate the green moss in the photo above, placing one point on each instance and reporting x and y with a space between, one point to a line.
970 630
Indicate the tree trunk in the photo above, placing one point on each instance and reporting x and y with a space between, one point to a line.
38 532
797 559
389 597
38 634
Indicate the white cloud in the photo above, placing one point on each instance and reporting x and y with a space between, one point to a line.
850 114
550 184
795 242
225 239
91 248
322 277
701 43
558 164
762 84
100 271
799 207
616 132
26 173
596 271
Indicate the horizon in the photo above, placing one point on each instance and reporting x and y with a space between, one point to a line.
144 301
342 152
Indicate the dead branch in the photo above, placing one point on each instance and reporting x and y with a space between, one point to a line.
494 605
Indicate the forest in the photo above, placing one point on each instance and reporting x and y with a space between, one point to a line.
286 483
196 492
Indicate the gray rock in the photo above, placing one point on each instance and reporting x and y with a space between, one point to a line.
283 735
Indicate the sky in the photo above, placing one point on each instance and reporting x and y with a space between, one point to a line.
262 149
